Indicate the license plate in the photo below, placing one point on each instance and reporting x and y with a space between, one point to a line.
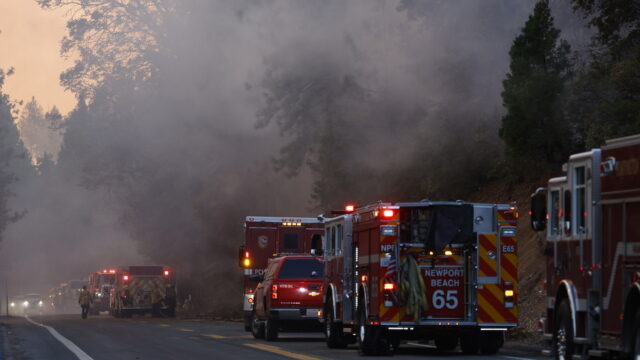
312 312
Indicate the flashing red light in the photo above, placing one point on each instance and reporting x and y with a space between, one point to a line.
389 286
349 208
125 277
166 273
246 254
112 271
387 213
274 292
365 278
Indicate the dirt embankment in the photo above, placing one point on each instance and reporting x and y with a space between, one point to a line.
531 266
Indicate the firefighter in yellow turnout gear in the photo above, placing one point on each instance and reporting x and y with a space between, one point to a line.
156 301
85 300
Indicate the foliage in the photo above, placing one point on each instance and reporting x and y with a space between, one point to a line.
535 127
611 84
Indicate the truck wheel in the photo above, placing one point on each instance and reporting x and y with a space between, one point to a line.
371 339
636 347
335 338
257 327
491 342
271 329
563 332
470 344
248 323
446 342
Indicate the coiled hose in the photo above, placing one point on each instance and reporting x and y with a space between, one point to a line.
412 287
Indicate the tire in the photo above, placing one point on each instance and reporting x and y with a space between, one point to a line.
563 332
636 344
371 340
446 342
333 331
271 329
257 327
470 344
491 342
247 323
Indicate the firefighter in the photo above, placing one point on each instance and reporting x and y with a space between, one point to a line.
156 301
85 300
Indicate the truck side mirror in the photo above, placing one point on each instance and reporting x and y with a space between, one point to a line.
539 210
256 277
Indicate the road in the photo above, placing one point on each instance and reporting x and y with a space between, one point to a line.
103 337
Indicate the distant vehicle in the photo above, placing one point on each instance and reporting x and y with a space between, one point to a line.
33 303
16 305
99 287
132 290
590 219
266 237
70 295
288 297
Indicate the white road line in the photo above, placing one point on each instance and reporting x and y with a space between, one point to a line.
66 342
516 357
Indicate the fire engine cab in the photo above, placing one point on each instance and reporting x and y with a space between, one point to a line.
591 218
442 271
268 237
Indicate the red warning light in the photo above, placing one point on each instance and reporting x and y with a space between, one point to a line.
387 213
125 277
166 273
349 208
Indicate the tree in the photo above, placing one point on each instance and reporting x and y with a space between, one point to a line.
12 156
610 86
535 127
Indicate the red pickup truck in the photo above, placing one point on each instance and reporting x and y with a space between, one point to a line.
288 297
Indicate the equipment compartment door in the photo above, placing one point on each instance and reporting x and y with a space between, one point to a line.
445 291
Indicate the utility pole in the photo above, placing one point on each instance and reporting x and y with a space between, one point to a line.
6 295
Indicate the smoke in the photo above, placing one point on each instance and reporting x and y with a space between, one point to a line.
173 145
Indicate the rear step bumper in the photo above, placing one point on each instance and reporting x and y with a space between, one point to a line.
296 313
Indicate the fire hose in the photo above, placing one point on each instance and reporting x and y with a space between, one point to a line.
412 287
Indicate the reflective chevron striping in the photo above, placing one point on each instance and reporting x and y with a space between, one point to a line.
487 244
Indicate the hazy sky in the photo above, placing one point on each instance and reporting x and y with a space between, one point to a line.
30 42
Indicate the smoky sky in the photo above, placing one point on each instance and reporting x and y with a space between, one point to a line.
190 132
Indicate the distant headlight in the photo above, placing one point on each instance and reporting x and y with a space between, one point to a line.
12 304
25 304
40 303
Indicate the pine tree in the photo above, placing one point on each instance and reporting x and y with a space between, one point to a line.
534 127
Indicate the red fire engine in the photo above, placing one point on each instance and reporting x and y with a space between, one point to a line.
442 271
266 237
593 252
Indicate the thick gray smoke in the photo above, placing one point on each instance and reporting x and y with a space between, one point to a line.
184 120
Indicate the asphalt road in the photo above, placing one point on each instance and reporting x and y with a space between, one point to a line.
107 338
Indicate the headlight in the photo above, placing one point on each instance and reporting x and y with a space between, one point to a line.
12 304
40 303
25 304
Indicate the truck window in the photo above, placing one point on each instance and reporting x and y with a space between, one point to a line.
554 214
437 226
580 194
327 241
290 242
316 242
301 269
567 212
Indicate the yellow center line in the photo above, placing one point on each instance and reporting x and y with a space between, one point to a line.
186 330
280 351
164 325
214 336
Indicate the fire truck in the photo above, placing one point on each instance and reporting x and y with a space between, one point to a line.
132 290
267 237
100 283
441 271
592 248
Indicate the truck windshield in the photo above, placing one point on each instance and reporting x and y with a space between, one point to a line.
301 269
437 226
106 279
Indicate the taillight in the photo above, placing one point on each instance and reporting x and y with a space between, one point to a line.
509 295
274 292
166 273
387 213
125 277
389 286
